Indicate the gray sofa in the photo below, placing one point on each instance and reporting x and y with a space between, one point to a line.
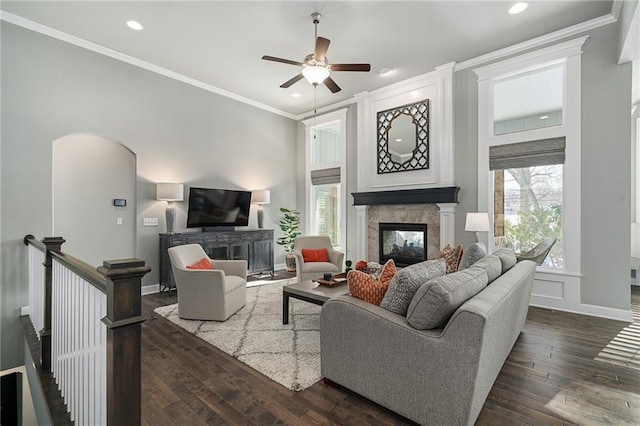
438 376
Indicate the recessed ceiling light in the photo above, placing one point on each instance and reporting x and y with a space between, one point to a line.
135 25
518 7
544 117
296 95
385 71
398 140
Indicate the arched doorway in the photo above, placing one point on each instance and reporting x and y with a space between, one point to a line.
90 172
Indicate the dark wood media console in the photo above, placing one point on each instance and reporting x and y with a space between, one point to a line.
254 246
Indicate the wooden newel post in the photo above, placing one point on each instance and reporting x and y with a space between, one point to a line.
123 321
53 244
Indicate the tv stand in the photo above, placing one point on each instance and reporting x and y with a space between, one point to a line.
254 246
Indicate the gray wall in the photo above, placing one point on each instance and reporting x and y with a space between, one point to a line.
606 170
179 133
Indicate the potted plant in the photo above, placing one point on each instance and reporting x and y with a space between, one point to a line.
290 225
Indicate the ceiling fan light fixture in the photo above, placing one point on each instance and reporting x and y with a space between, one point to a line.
315 74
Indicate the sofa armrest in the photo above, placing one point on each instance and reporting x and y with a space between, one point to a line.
424 375
232 267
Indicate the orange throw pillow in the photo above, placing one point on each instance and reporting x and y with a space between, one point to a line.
203 264
364 286
315 255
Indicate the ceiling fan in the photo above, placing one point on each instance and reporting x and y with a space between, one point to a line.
315 67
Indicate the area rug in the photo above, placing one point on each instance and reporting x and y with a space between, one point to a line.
288 354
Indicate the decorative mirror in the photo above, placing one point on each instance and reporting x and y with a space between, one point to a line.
403 138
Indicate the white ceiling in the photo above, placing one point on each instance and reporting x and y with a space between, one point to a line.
220 43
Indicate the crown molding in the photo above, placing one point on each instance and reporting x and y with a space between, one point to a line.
94 47
616 7
537 42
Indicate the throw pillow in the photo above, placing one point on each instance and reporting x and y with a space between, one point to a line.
471 255
407 281
315 255
507 258
364 286
204 263
438 299
452 256
492 266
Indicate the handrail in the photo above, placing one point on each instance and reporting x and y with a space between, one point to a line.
82 269
31 240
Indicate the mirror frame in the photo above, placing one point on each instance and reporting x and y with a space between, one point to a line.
420 158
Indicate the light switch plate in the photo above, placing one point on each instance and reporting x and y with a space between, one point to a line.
150 221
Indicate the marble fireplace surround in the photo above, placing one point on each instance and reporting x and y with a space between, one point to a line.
433 206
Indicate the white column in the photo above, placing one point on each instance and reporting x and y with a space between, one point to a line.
362 224
444 121
447 223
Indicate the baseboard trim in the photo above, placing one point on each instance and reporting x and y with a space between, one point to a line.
150 289
593 311
603 312
25 310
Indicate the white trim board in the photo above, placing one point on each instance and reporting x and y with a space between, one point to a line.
593 311
97 48
150 289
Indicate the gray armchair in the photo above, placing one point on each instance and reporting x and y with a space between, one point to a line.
206 294
310 270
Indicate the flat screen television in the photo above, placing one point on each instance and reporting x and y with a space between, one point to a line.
218 207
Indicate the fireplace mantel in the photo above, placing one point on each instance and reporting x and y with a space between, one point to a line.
447 194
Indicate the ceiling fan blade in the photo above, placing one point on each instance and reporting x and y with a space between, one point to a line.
284 61
332 85
351 67
322 44
294 80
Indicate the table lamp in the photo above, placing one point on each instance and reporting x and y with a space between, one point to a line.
477 222
261 197
170 192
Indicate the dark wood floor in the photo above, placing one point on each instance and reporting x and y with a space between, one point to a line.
564 369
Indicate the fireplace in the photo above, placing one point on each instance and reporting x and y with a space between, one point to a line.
405 243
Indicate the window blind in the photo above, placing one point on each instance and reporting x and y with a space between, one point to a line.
325 176
543 152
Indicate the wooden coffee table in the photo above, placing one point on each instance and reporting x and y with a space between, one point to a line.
309 291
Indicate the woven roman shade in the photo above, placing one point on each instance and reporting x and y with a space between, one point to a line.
325 176
543 152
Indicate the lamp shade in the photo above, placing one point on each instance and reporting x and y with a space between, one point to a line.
169 192
315 74
262 196
478 222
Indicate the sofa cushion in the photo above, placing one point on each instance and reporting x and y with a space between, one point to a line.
471 255
204 263
316 255
364 286
438 299
407 281
507 258
451 255
492 265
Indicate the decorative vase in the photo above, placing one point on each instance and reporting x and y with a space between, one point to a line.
290 262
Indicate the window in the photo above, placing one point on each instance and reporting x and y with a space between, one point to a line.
529 161
528 208
529 101
325 152
528 194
